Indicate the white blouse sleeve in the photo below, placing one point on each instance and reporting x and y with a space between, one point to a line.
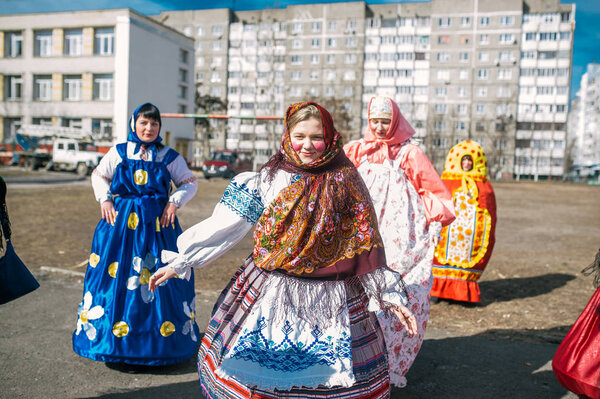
184 179
103 174
235 215
384 287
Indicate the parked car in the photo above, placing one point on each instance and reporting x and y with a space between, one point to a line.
225 163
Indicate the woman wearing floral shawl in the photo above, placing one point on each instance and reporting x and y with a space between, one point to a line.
412 205
295 320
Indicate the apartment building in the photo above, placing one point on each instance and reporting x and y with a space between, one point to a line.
544 86
496 72
583 149
90 69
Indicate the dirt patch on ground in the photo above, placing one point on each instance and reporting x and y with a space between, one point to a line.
532 288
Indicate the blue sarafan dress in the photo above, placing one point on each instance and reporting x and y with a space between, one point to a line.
120 319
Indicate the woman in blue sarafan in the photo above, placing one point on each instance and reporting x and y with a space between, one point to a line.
120 319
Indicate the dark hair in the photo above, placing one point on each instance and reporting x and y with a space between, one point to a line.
151 112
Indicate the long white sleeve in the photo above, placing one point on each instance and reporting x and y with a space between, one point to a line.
103 174
184 179
234 215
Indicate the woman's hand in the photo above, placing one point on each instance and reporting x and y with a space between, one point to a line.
161 276
435 240
406 318
108 212
168 215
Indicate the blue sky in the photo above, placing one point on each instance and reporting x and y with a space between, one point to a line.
586 48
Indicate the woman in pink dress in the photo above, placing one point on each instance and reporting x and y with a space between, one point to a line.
412 204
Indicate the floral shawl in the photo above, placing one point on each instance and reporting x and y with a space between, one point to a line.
323 225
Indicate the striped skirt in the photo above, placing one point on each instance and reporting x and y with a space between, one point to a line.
370 364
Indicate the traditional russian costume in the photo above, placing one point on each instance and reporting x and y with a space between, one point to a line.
120 319
466 245
296 320
412 204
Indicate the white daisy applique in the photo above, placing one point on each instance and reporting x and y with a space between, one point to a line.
86 314
144 267
188 327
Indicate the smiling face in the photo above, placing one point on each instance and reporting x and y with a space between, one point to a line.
380 126
466 163
147 129
307 139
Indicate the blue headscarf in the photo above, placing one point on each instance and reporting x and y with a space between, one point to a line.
133 137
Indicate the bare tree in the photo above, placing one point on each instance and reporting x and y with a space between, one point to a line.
207 104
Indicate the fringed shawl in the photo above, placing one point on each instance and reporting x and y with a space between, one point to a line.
323 225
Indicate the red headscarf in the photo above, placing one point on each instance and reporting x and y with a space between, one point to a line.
377 150
324 224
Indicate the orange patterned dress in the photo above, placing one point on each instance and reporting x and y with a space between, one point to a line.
466 245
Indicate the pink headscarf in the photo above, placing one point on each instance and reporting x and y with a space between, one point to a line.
377 150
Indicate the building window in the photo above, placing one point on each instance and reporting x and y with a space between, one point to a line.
349 75
314 75
465 39
331 58
104 41
444 22
444 39
504 74
215 77
43 43
443 57
71 122
13 44
350 59
503 91
480 108
42 87
465 21
565 36
547 36
315 26
296 59
351 42
439 126
506 38
529 36
565 17
484 21
443 74
482 74
463 74
528 55
505 56
507 20
295 75
183 56
72 87
315 43
41 121
332 26
200 31
215 92
484 39
461 109
460 126
102 128
441 92
332 42
348 91
330 75
314 59
479 126
217 30
463 57
296 44
461 91
73 42
103 87
13 86
216 45
482 91
297 27
440 109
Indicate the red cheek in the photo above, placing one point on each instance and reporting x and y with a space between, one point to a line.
319 146
296 146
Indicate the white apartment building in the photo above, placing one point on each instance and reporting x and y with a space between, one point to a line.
584 126
496 72
544 83
90 69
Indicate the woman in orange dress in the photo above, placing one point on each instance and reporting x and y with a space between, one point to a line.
466 245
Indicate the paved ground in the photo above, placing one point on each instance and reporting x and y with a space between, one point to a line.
36 359
532 292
